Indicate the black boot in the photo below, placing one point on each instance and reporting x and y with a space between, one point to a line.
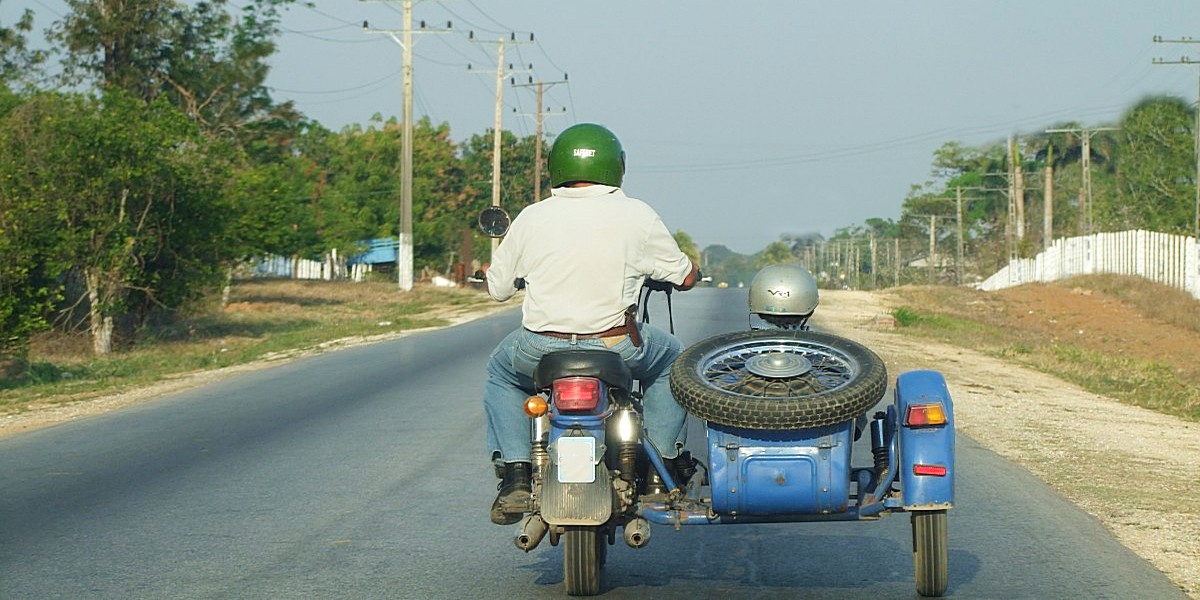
513 500
682 468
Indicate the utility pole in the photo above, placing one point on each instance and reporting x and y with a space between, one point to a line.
1183 60
1048 201
1018 187
958 266
1010 215
874 264
1085 162
404 249
537 169
496 137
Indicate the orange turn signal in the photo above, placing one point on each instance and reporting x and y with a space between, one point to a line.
536 406
925 415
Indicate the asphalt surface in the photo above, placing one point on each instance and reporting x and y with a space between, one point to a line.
362 473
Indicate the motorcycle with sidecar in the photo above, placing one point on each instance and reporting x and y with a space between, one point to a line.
782 407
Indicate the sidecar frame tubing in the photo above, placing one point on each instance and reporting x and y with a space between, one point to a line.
662 515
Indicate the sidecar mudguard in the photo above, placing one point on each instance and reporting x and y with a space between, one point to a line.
926 450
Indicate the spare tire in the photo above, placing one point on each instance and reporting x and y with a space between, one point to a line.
778 379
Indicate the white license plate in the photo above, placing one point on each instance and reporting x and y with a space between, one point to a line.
576 459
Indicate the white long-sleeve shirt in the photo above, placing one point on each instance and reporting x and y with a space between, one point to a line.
584 253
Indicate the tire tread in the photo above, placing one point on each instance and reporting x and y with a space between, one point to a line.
845 402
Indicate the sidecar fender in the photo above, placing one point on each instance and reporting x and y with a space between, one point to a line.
925 422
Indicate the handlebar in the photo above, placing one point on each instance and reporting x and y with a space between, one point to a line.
518 283
655 285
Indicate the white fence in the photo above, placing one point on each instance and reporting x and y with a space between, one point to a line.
331 268
1172 260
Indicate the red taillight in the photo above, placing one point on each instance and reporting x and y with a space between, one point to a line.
929 470
577 393
925 415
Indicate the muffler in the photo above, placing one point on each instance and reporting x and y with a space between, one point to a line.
530 532
637 533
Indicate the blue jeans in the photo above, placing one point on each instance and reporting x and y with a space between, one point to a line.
510 382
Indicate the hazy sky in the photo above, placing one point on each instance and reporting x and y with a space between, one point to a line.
745 121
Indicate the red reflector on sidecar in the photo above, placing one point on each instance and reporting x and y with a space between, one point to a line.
925 415
576 393
929 470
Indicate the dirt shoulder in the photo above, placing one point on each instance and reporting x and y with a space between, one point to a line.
1131 468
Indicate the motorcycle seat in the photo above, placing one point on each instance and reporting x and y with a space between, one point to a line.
602 364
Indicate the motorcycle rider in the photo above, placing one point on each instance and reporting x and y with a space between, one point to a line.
583 254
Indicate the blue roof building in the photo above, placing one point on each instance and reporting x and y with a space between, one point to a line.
380 251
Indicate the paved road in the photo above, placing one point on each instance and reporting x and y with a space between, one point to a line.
360 474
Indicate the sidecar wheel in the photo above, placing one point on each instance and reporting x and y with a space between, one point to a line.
930 552
778 379
582 559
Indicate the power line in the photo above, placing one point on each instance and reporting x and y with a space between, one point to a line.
350 89
825 155
489 17
472 24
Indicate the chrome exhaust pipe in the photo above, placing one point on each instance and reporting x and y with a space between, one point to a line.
637 533
530 532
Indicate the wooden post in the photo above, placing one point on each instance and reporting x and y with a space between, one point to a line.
932 245
874 263
896 260
468 255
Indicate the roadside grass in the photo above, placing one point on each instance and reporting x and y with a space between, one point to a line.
976 320
264 319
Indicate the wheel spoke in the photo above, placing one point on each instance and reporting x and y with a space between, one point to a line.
726 370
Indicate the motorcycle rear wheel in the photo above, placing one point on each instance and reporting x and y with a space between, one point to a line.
774 379
584 551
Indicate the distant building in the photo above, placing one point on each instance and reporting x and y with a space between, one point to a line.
380 255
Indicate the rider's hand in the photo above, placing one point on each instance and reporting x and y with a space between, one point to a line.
690 281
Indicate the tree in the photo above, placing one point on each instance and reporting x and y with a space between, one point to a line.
134 192
361 197
775 253
115 43
687 245
216 66
1157 167
208 63
28 242
17 61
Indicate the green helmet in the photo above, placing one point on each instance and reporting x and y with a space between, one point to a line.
586 152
